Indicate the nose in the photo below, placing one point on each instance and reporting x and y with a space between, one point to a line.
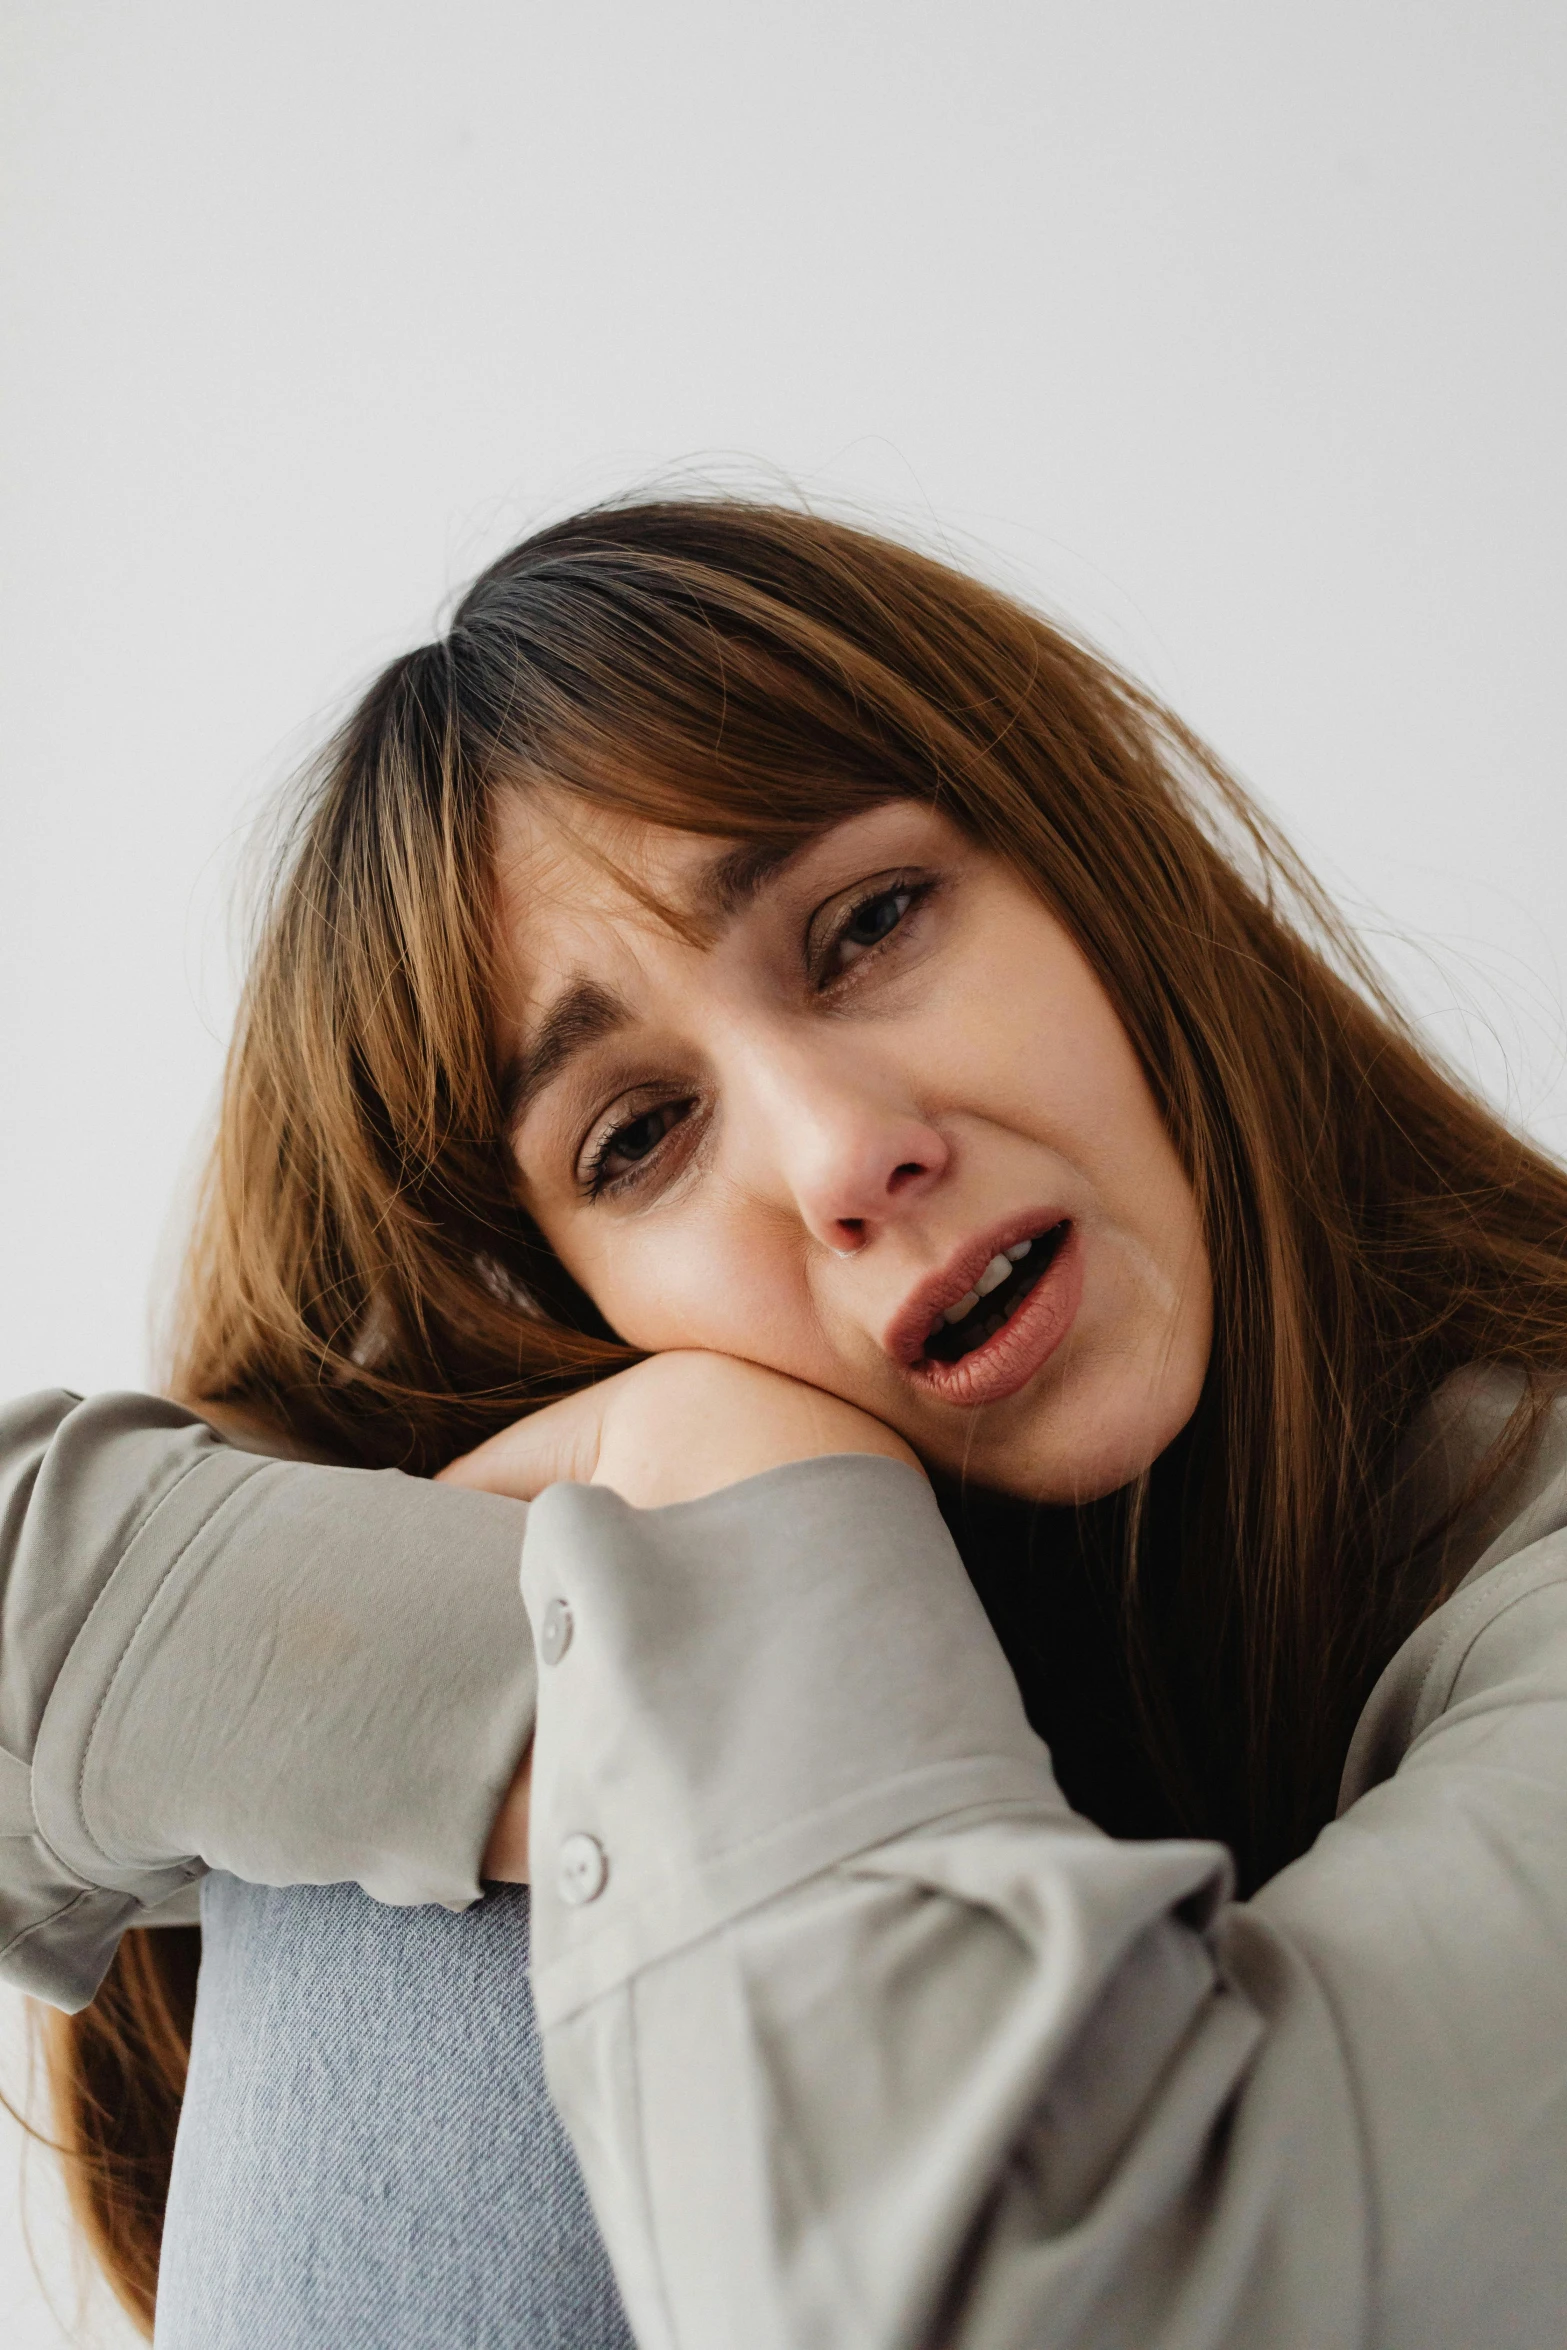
840 1142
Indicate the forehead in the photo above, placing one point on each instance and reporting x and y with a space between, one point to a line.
569 874
587 895
562 867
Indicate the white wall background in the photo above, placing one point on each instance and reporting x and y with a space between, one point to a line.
1234 330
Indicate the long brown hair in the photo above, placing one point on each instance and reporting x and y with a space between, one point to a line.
364 1283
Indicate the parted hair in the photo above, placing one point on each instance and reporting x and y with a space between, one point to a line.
364 1283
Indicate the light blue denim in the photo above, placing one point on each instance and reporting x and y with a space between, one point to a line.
368 2158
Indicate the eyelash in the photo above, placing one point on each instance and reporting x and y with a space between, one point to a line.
901 886
596 1184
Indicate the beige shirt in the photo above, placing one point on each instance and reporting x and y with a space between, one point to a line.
211 1660
862 2036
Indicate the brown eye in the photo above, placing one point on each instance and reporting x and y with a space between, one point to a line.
642 1135
874 919
623 1151
870 923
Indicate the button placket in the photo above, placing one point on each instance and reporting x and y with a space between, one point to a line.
582 1865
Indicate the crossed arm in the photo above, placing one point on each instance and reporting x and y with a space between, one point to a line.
863 2038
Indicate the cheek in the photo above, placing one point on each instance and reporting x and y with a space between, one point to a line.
706 1284
1045 1057
1017 1026
1064 1069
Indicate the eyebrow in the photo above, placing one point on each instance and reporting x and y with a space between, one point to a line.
733 881
579 1017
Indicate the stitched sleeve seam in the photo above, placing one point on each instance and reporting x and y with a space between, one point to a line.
39 1925
203 1526
1464 1631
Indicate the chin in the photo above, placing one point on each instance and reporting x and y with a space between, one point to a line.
1089 1440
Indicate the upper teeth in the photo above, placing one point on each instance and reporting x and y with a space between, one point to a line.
992 1277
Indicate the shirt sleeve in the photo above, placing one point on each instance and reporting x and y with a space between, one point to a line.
865 2039
213 1660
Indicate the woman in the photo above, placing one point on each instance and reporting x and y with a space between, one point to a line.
840 1050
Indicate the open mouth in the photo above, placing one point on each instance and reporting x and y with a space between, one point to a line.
995 1297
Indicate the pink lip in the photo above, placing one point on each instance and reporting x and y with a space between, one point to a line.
1025 1341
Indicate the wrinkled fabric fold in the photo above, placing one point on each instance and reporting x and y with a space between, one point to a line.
984 2076
211 1659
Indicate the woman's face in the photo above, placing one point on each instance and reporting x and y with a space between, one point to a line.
876 1126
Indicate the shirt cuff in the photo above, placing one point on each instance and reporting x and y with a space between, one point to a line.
741 1691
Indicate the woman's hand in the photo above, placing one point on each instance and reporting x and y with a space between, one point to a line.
670 1429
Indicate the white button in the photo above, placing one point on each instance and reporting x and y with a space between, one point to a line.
583 1870
555 1632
